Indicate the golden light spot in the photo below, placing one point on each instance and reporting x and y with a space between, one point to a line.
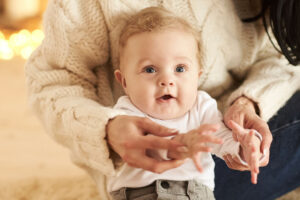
6 53
22 43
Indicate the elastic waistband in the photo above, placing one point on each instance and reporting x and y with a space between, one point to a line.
166 189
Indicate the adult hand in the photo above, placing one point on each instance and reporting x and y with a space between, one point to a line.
242 111
131 136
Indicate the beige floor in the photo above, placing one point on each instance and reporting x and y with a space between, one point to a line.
32 166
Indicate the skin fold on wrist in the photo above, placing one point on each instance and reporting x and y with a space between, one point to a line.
245 101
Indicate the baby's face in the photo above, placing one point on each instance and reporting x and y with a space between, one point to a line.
160 71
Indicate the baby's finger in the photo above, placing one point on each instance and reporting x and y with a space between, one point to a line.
208 128
248 141
209 138
254 155
196 158
238 130
253 177
255 162
200 147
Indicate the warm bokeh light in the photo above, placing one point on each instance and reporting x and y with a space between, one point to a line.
21 43
6 53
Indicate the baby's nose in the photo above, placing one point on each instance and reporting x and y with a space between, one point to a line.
164 83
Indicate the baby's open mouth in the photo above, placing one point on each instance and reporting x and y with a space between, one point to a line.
167 97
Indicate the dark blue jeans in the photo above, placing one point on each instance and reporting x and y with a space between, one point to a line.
281 175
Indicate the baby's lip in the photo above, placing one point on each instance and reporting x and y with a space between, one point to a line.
166 97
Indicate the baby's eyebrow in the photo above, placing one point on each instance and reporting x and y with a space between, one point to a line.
144 60
183 58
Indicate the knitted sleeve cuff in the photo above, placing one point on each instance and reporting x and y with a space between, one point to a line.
86 120
269 92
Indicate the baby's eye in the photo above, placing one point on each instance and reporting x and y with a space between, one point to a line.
149 69
180 68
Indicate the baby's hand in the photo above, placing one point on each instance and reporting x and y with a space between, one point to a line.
250 150
251 153
196 142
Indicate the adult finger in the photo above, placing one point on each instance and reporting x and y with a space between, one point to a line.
196 158
153 165
239 165
235 163
228 161
153 142
155 129
267 137
265 160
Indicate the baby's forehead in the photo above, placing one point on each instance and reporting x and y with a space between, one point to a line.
179 29
156 32
123 48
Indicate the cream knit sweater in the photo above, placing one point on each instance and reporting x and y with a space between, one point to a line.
70 76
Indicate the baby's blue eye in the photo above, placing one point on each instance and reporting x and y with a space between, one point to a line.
149 69
180 68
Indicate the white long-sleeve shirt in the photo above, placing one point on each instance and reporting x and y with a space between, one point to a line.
204 111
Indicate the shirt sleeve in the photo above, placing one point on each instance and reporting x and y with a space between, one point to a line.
62 85
209 114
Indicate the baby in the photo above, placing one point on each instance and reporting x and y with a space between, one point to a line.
160 65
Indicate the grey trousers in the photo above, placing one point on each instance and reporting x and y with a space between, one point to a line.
166 190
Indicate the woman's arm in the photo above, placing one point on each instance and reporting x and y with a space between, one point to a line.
270 82
62 84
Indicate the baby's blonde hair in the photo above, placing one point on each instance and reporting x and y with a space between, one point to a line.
153 19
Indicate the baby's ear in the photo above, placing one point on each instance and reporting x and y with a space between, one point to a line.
120 78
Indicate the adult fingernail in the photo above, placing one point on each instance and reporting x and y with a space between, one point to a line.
182 149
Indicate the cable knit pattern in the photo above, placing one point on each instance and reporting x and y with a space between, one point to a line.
70 76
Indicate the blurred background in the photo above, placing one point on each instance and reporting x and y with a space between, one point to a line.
20 27
32 166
